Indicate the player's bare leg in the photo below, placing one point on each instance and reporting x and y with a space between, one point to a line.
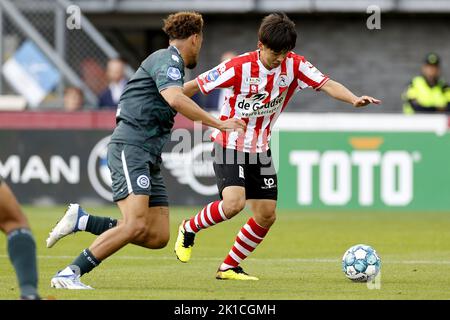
143 225
233 202
158 229
21 244
264 212
148 227
11 216
248 238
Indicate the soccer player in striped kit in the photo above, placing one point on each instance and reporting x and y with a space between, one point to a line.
262 83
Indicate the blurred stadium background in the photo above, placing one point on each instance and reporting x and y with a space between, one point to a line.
373 159
332 34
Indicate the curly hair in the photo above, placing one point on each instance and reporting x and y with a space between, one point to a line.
182 25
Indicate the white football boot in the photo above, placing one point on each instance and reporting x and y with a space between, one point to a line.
67 279
67 225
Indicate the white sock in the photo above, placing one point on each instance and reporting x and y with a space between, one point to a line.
187 227
83 222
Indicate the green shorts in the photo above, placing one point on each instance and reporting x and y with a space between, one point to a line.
134 170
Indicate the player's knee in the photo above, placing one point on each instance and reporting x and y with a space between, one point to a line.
136 230
267 218
156 240
232 207
160 242
271 218
11 223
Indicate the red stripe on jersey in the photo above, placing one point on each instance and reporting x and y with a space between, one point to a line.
241 137
266 131
307 80
254 73
269 86
257 130
237 90
200 84
260 120
293 85
300 75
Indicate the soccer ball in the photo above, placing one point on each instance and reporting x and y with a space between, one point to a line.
361 263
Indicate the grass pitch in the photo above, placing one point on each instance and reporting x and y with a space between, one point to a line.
299 259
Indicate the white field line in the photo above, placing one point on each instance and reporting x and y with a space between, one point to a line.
263 260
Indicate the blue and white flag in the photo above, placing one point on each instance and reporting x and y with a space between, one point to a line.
31 74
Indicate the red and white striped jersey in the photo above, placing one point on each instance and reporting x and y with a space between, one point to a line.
257 95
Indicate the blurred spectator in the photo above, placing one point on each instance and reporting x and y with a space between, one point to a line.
216 98
427 92
73 99
115 71
93 75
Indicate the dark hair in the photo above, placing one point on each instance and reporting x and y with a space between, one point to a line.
277 32
182 25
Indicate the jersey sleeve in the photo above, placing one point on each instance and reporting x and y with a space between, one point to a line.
166 70
309 76
222 76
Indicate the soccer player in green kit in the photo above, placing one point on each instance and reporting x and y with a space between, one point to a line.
145 117
21 244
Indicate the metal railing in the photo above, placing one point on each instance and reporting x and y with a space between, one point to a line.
80 54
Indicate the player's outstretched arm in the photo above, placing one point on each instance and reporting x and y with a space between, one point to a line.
338 91
190 88
175 97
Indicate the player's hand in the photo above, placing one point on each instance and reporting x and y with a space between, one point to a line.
364 101
234 125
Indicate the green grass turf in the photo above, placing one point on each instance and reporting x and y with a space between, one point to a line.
299 259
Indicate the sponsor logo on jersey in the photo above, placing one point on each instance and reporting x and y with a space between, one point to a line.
174 73
254 106
251 81
222 68
241 172
254 88
269 183
309 64
213 75
283 81
143 181
260 96
174 57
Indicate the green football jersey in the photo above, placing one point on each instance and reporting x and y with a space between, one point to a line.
143 117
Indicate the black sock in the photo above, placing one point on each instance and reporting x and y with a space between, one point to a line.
98 225
84 263
22 253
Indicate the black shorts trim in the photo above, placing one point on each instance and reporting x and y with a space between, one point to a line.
158 204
